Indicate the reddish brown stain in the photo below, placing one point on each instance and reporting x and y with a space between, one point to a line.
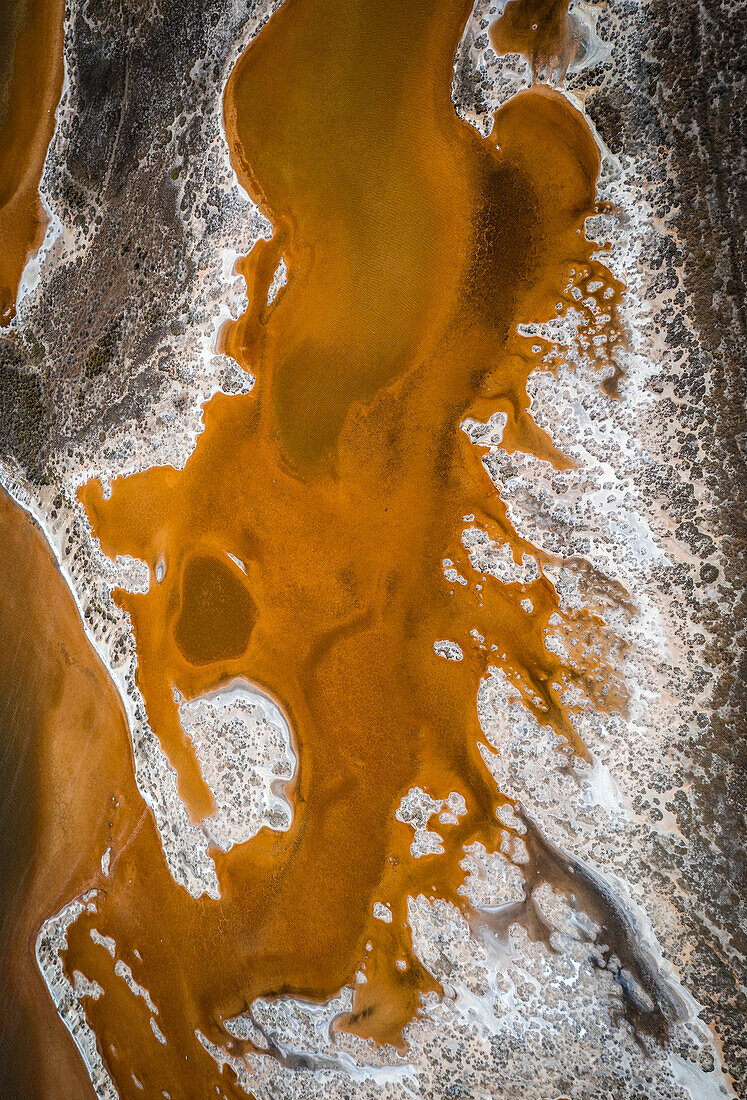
32 45
541 30
341 485
216 616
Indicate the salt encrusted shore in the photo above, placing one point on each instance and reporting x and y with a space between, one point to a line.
515 1014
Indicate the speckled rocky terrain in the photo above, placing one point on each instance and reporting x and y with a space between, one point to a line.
104 370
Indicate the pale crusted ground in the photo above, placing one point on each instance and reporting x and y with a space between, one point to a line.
113 344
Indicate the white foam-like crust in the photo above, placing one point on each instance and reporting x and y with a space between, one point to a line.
447 649
416 809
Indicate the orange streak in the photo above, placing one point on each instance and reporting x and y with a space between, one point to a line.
35 89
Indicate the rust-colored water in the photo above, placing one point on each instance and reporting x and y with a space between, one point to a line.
341 485
539 29
31 67
66 763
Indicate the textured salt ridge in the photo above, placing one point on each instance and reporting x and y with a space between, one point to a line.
244 746
534 772
51 940
533 500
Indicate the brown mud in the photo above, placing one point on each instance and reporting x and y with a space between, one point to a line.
541 30
31 69
342 485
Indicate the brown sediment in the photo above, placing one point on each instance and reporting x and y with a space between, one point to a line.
342 485
32 67
541 30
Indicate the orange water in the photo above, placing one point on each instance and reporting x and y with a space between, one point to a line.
31 40
341 485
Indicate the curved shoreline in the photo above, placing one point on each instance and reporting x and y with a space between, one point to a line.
24 140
